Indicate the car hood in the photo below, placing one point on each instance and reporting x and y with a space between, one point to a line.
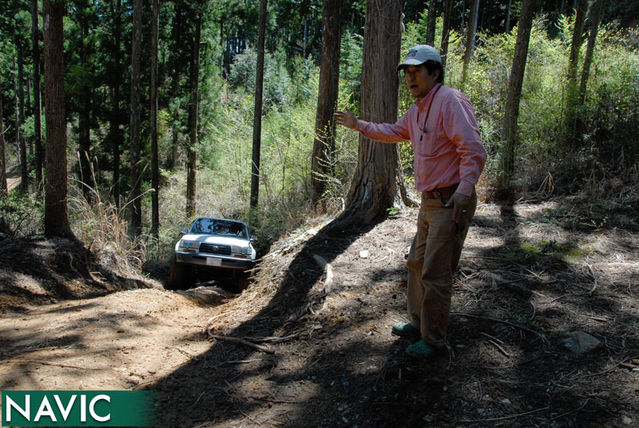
215 239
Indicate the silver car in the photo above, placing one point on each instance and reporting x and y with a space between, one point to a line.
211 243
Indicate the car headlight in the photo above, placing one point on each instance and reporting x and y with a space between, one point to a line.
236 249
190 246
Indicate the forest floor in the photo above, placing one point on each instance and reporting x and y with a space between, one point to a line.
529 278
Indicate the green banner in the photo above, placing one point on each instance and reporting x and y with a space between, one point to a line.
77 408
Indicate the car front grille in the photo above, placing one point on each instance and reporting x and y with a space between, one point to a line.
223 250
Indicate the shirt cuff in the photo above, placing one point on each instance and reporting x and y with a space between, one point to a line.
465 188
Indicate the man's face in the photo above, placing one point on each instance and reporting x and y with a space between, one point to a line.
418 80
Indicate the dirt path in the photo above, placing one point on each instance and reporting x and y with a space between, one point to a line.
526 279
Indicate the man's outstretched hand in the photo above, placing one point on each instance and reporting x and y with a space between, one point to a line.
345 118
460 204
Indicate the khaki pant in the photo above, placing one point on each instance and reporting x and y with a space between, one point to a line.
433 258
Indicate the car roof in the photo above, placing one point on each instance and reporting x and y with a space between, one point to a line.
220 219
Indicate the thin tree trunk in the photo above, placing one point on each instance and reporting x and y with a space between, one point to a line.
191 163
443 51
470 41
84 117
510 4
135 200
56 221
3 165
155 168
24 164
115 133
36 93
257 118
373 187
431 22
515 83
324 142
595 19
571 88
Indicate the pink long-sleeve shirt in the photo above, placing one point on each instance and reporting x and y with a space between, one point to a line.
447 145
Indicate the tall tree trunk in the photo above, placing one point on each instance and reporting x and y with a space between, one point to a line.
115 133
84 117
257 118
510 4
515 82
373 187
324 142
24 164
191 162
36 93
155 168
135 200
56 220
571 79
443 51
431 22
470 41
3 165
595 19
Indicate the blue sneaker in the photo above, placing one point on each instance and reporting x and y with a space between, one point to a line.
420 349
405 329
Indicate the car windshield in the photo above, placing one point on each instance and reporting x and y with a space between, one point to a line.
213 226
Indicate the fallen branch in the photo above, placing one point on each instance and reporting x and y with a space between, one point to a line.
236 340
503 418
521 327
48 363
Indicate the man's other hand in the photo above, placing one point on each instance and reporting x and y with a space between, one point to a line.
345 118
460 204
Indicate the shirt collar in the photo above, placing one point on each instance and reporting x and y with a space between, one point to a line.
421 103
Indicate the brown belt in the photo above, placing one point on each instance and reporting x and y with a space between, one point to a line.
441 193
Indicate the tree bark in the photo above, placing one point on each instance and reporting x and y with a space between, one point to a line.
470 41
324 142
510 4
135 200
257 117
443 51
115 133
191 163
84 117
24 164
155 167
595 19
56 221
3 165
431 22
515 83
571 88
37 117
373 187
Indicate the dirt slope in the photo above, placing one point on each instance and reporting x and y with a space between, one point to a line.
527 278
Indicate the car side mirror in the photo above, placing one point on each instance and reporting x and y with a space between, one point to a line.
253 239
184 230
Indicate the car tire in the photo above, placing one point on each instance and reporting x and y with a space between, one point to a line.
181 276
240 281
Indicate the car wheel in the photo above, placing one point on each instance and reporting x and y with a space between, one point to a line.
181 276
240 281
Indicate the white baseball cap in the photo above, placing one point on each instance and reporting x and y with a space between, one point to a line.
418 55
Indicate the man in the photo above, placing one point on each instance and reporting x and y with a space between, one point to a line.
449 157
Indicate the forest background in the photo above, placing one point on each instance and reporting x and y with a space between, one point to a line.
598 161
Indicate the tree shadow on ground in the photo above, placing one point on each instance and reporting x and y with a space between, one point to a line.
208 379
526 371
515 372
39 271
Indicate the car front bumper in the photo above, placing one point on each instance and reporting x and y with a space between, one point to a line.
220 262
